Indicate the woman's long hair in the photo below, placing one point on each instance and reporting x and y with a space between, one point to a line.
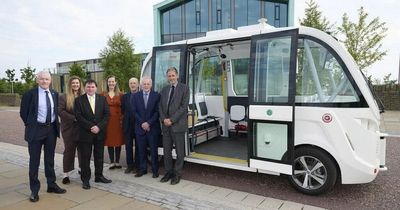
70 93
116 89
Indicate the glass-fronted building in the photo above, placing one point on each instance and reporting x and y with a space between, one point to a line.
176 20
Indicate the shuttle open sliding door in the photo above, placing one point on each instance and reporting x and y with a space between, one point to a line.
272 101
163 58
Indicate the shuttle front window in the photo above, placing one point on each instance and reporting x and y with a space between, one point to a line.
320 77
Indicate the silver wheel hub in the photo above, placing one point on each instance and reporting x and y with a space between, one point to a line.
309 172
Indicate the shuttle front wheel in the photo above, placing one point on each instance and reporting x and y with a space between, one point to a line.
314 171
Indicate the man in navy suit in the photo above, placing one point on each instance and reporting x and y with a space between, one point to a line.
128 125
147 126
39 112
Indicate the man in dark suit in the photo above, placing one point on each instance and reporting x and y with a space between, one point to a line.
92 114
173 115
147 126
128 125
39 112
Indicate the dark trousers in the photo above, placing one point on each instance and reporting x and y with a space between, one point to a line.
46 137
70 147
144 141
171 138
129 151
114 153
85 148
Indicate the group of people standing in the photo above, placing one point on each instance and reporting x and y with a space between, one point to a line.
90 121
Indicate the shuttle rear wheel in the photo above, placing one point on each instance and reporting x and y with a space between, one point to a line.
314 171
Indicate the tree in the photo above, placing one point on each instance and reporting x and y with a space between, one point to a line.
11 78
77 70
118 59
388 81
313 18
363 39
4 86
28 75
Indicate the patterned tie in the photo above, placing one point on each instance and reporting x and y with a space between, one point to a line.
170 97
91 102
146 98
48 105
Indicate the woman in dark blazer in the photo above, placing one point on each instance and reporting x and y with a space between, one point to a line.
69 125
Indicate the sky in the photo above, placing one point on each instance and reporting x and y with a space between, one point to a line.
41 33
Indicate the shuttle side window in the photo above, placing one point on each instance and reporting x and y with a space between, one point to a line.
147 69
240 70
208 77
271 72
163 60
320 77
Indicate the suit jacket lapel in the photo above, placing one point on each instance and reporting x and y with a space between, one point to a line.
54 102
175 91
36 100
87 104
141 99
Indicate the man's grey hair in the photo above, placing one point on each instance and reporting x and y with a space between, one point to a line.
146 78
172 69
40 73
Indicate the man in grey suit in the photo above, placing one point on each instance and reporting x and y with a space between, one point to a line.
173 115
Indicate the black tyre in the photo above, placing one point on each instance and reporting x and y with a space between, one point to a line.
314 171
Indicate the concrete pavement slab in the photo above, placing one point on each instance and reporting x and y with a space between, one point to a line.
108 201
288 205
46 202
253 200
270 204
77 194
11 198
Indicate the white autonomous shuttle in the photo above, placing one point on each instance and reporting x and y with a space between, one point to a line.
278 101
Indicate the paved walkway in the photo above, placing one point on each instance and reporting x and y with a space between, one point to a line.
125 192
390 123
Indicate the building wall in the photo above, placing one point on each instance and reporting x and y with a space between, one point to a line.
176 20
89 65
389 95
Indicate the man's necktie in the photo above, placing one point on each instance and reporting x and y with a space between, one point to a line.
91 102
171 94
48 105
146 98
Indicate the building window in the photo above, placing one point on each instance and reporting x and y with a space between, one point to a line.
247 12
276 14
190 17
165 21
175 20
221 14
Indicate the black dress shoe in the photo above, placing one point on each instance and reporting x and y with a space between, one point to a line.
166 177
86 185
66 180
118 166
155 175
175 180
112 167
140 173
129 170
56 189
34 197
102 179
